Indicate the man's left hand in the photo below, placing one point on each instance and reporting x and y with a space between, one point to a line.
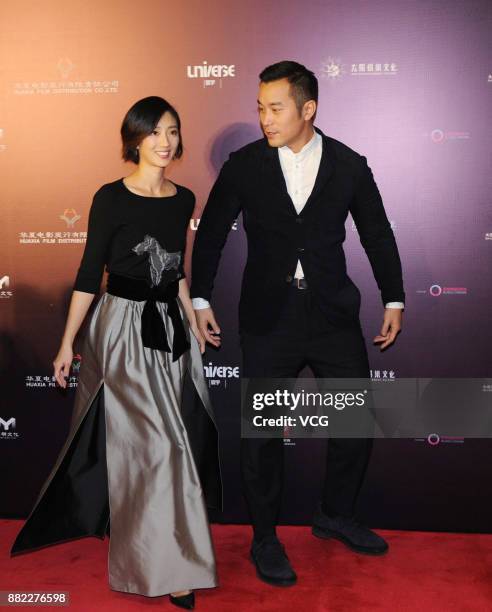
391 327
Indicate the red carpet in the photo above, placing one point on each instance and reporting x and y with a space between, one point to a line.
422 572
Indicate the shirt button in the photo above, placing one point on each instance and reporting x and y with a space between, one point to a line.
288 278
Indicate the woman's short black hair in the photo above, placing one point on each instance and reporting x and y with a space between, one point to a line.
303 82
140 121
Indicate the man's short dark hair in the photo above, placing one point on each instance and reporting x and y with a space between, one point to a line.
140 121
303 82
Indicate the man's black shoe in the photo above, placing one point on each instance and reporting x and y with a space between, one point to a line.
272 564
357 537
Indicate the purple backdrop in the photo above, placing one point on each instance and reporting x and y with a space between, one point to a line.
408 84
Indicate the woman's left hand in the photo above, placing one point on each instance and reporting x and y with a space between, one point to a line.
199 337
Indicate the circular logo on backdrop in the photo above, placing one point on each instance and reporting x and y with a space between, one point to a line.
433 439
437 135
435 290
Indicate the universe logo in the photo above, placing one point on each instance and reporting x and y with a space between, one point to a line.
194 223
219 375
211 74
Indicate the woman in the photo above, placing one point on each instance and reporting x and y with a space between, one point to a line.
137 458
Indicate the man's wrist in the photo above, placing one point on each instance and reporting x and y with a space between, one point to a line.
200 303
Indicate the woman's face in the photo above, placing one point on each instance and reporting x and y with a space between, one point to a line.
158 148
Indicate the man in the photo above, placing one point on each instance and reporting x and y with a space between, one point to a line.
298 307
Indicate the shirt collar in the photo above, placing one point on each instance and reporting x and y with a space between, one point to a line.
306 150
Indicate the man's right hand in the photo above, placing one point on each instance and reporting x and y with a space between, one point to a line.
205 319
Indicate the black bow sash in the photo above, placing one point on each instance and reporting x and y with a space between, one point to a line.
153 329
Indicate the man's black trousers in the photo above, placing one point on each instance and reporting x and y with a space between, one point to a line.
303 336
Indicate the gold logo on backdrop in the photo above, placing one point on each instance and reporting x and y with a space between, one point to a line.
70 216
65 66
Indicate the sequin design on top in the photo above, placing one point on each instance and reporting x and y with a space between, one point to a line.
159 258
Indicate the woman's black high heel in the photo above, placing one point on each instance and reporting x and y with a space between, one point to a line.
184 601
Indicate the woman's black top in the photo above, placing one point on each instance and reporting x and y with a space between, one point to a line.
135 236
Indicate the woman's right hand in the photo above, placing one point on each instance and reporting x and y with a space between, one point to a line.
62 364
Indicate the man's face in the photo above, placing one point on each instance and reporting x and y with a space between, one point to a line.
280 119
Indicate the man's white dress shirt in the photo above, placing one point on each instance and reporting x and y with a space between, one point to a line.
300 171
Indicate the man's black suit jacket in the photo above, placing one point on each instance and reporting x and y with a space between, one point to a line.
251 181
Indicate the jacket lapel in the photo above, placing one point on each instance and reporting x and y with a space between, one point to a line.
324 173
274 174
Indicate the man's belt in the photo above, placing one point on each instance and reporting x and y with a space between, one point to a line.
153 328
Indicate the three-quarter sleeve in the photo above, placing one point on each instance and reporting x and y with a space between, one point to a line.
99 233
190 207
